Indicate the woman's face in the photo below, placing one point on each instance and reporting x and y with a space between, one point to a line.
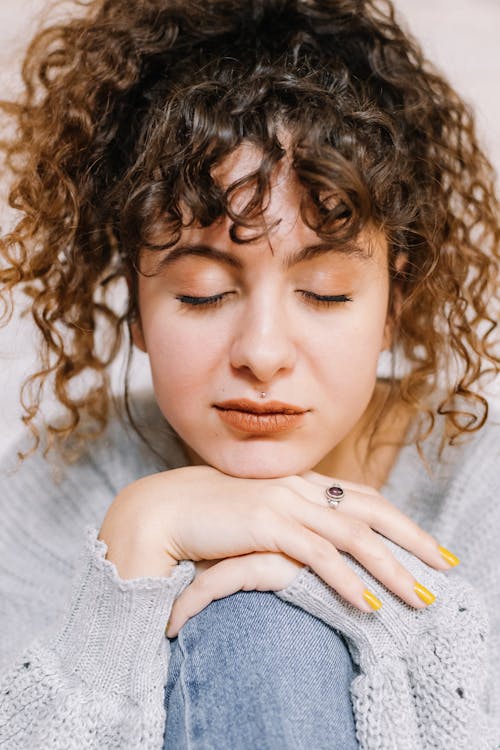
267 332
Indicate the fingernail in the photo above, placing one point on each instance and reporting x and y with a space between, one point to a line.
427 596
372 600
170 634
450 558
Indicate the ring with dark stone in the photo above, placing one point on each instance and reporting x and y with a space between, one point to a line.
334 495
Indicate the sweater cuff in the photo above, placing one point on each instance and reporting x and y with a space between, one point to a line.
393 629
113 638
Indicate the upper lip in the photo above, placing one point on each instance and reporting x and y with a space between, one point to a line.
268 407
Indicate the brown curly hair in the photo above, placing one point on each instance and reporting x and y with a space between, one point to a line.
128 108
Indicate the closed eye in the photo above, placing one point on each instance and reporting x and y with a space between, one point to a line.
202 302
217 299
328 299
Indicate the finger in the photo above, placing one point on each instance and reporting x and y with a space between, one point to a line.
382 516
314 489
356 538
235 574
385 518
324 481
259 571
305 540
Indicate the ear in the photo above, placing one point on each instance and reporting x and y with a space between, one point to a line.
137 335
396 300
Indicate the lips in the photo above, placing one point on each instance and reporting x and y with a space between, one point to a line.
257 418
255 407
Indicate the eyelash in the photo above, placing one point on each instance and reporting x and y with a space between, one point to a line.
314 299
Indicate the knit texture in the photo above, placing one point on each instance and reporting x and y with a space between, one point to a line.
98 682
422 672
84 658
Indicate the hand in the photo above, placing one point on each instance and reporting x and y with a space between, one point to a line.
258 533
363 511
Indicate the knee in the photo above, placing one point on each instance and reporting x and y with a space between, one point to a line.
245 612
264 623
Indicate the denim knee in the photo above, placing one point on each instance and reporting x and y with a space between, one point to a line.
253 670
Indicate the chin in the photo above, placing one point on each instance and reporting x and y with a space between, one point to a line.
261 464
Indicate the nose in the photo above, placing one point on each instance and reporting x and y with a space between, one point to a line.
262 343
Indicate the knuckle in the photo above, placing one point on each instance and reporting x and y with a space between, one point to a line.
424 538
382 559
421 536
321 551
202 586
380 501
377 558
259 566
360 533
371 509
392 567
280 496
378 506
367 489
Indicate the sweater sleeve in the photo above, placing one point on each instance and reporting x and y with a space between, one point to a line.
97 679
422 673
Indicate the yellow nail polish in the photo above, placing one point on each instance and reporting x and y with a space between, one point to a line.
427 596
372 600
450 558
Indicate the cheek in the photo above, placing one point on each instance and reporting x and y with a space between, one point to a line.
346 357
180 357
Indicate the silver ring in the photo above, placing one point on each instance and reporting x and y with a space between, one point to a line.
334 495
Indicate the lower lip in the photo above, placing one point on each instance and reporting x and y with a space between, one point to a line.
260 424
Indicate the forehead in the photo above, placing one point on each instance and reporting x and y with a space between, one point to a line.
282 207
277 227
282 211
284 231
245 159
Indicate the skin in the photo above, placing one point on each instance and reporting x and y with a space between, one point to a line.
266 335
263 505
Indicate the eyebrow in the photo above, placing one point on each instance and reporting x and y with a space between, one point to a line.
350 249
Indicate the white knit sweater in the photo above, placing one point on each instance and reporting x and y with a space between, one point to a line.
84 658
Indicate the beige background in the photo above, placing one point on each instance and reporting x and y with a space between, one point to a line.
461 36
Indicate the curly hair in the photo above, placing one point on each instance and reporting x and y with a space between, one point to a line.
128 107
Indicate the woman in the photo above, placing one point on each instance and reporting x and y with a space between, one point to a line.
288 190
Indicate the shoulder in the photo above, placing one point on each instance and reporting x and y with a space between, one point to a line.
47 505
457 502
437 491
101 469
470 470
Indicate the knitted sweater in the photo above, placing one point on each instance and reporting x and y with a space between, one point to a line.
84 657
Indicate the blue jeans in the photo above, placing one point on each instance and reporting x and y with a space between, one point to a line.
253 672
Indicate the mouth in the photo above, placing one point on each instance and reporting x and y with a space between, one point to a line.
259 419
254 407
